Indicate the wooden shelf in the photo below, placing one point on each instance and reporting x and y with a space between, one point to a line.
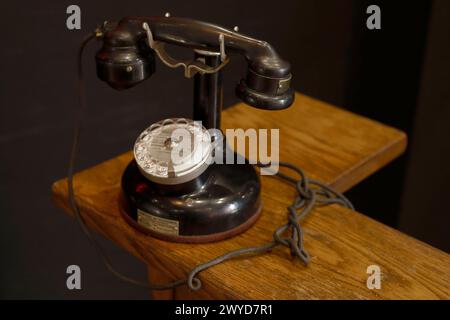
330 144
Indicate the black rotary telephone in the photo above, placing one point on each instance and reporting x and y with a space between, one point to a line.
194 199
191 201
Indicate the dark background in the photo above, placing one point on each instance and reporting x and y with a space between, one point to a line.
398 75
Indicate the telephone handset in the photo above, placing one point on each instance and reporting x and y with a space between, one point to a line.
193 200
126 58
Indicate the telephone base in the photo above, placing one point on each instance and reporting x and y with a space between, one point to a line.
222 202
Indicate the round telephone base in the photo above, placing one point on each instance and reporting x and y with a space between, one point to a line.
222 202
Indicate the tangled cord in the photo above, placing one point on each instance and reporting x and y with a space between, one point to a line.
310 193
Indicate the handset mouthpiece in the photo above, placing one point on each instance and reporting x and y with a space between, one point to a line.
268 81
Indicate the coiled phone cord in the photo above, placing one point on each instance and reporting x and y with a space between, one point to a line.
310 193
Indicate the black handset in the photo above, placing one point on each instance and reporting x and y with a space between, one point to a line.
126 57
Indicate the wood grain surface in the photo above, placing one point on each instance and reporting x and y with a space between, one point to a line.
330 144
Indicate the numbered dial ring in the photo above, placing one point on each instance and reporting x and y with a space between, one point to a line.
173 151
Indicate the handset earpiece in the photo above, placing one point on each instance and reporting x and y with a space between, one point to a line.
124 60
